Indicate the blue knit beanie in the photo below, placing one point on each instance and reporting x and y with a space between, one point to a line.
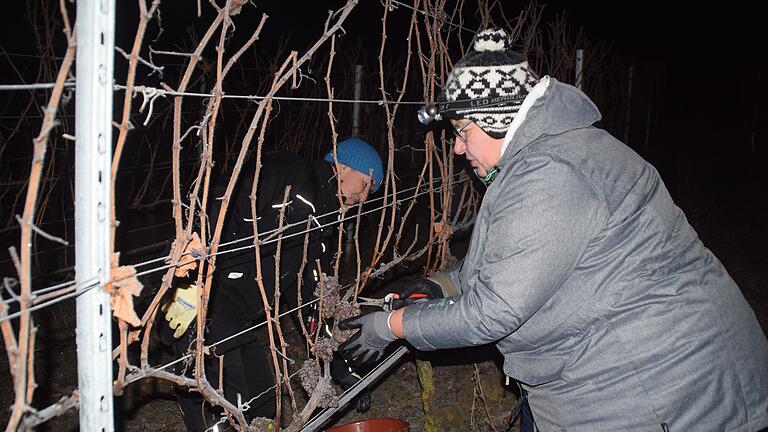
360 156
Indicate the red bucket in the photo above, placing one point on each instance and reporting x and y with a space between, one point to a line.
373 425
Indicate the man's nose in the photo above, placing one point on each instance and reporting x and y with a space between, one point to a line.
459 146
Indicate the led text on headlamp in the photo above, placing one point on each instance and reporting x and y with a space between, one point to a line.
429 113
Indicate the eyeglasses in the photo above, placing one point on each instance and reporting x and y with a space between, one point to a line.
459 131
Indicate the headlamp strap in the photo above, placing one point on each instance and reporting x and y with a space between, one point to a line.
459 105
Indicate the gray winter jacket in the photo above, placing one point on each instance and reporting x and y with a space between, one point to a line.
599 294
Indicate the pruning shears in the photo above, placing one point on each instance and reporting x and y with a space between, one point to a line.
387 301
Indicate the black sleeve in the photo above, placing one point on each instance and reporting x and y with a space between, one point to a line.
236 269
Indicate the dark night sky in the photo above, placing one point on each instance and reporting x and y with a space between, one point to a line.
712 56
693 32
690 36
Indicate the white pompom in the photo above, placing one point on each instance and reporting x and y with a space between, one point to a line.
489 45
491 40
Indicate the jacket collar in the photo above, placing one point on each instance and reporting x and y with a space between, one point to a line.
551 108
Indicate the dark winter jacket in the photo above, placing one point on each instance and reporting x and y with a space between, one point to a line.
312 196
597 291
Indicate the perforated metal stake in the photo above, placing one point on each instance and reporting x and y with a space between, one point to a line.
93 157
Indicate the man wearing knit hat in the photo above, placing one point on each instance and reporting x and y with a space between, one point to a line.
316 190
606 306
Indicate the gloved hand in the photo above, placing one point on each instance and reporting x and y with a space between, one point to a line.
432 287
181 310
363 401
368 344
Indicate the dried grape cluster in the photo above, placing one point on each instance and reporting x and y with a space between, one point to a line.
309 376
334 307
324 349
345 310
330 292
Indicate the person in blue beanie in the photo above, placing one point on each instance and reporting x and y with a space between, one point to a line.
359 167
316 192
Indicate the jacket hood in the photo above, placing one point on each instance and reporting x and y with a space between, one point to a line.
561 108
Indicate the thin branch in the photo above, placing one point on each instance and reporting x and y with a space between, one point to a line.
25 274
42 233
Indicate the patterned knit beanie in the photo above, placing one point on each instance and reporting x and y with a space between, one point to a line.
490 71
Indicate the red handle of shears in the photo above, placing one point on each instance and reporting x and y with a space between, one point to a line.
396 296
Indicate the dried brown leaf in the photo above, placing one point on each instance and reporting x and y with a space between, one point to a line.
443 230
236 6
193 249
123 289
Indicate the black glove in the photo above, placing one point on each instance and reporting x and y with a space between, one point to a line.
425 288
368 344
363 400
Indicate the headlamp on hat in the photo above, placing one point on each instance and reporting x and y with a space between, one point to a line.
447 110
428 113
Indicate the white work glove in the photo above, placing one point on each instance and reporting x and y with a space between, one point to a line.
181 310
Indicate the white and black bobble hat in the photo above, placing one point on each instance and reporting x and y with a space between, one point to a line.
490 69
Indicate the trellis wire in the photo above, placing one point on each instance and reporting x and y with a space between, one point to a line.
159 91
35 86
266 233
304 222
86 287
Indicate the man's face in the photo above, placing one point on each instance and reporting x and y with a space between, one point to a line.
481 150
354 185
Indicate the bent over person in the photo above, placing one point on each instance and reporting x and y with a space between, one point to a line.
594 287
236 302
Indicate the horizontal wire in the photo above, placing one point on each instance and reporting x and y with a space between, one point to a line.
238 334
160 91
162 258
83 288
71 245
267 233
266 242
40 291
35 86
86 286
